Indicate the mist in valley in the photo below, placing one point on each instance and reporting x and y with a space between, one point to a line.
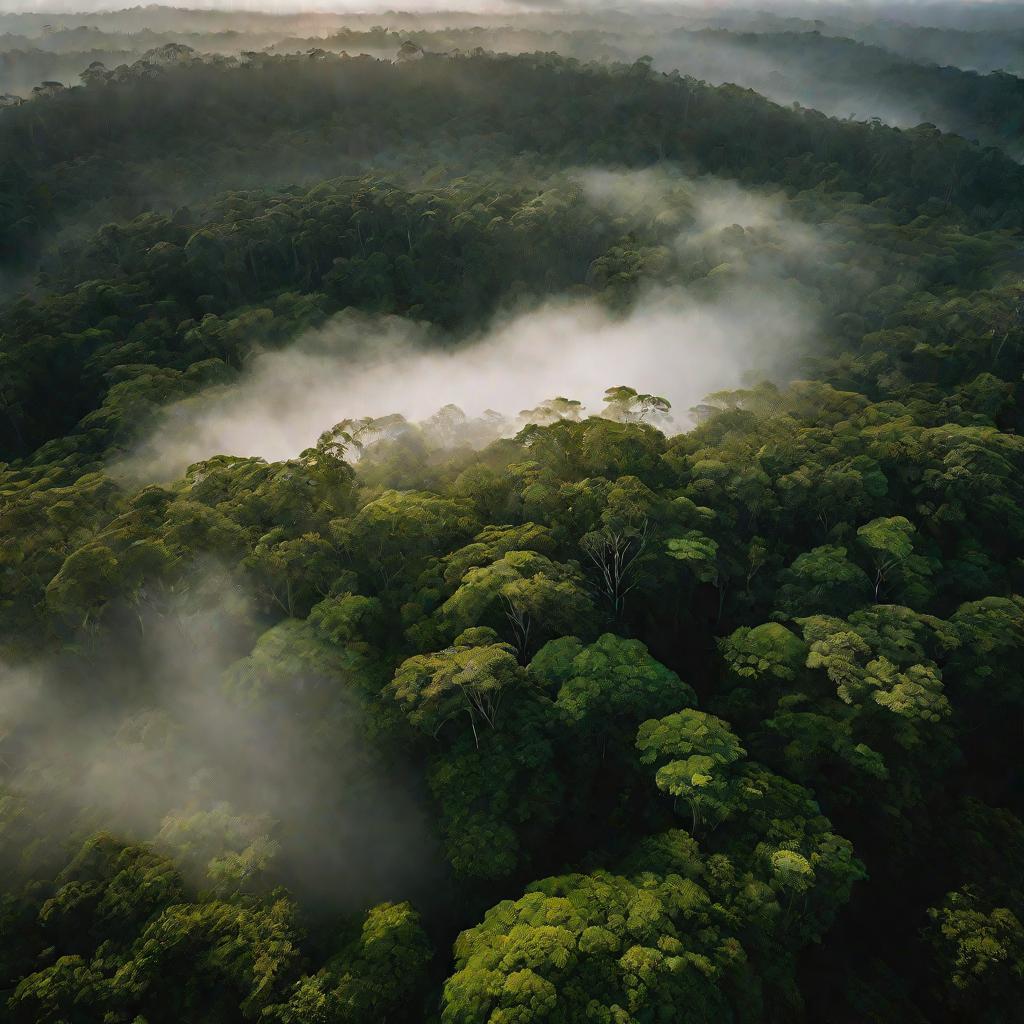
750 320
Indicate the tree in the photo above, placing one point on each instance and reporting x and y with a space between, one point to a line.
980 949
552 410
349 619
390 538
597 944
699 552
86 582
296 671
535 596
471 678
492 543
991 635
500 792
227 852
822 581
769 651
295 572
616 555
602 692
374 976
890 542
607 681
761 664
912 691
860 717
627 405
694 753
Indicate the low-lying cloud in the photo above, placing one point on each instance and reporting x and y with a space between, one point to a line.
672 345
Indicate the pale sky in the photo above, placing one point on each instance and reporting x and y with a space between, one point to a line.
902 8
284 6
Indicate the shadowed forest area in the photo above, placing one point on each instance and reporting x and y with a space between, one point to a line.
512 516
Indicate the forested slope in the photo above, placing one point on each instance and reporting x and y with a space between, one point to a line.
555 714
963 81
205 128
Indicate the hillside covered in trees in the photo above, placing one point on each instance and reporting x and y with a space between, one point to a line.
964 76
499 528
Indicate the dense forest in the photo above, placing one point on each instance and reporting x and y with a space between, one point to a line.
962 78
497 527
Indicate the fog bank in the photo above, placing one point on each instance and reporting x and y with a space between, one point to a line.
671 345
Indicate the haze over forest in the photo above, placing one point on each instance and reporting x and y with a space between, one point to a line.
512 513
